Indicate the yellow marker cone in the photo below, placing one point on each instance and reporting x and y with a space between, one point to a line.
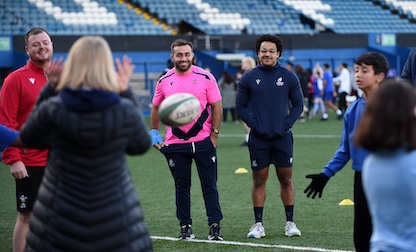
241 171
346 202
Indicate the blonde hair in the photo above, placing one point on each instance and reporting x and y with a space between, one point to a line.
89 65
250 61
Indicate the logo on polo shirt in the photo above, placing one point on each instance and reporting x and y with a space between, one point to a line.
258 81
32 80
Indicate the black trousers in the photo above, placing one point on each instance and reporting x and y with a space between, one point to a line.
342 102
362 218
180 158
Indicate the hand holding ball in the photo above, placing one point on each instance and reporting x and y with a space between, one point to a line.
179 109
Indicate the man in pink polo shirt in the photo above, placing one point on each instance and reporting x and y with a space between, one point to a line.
196 141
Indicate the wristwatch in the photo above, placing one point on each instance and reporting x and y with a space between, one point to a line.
216 131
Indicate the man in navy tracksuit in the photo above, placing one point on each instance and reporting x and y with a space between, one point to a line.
276 101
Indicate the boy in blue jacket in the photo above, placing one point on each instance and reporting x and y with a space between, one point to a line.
370 69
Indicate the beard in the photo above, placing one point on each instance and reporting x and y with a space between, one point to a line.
41 59
267 61
183 68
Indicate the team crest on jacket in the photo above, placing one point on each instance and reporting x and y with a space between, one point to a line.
280 82
258 81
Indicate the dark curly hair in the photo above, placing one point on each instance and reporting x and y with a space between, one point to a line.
270 38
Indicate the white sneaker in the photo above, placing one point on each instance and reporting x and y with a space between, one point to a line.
256 231
291 229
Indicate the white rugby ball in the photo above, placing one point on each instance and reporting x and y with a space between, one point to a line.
179 109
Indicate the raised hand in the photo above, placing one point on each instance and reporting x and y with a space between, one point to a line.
53 71
124 72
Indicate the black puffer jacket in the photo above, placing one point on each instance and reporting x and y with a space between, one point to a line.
87 201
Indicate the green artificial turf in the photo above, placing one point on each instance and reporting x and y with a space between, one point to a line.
324 224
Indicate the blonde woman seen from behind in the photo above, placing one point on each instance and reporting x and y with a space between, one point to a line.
87 196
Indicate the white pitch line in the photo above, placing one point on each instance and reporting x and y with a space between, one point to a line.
250 244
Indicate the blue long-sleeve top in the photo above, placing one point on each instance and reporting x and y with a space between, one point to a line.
347 149
269 100
7 137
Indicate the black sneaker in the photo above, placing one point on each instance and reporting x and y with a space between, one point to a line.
186 232
215 233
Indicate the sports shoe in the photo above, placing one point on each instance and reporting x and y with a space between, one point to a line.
256 231
186 232
291 229
215 233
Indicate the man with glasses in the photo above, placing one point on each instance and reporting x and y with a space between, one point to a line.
276 101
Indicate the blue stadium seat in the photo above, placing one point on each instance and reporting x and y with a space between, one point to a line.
219 17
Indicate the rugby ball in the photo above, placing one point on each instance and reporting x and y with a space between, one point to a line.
179 109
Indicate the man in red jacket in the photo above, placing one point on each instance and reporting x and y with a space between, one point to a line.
17 99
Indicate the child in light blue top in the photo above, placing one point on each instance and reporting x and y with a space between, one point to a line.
389 171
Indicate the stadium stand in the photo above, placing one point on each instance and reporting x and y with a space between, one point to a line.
217 17
78 17
403 8
354 16
212 17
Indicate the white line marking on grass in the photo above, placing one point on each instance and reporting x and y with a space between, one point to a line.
295 135
250 244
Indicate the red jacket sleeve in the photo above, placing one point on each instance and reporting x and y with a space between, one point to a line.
9 109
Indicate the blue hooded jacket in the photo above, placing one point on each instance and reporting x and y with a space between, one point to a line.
269 100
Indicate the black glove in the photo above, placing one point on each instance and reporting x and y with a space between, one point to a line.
317 185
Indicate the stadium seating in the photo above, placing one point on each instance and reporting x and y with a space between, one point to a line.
354 16
406 8
218 17
78 17
212 17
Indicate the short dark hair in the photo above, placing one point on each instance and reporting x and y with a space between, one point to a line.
181 42
270 38
377 60
389 120
34 31
344 64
